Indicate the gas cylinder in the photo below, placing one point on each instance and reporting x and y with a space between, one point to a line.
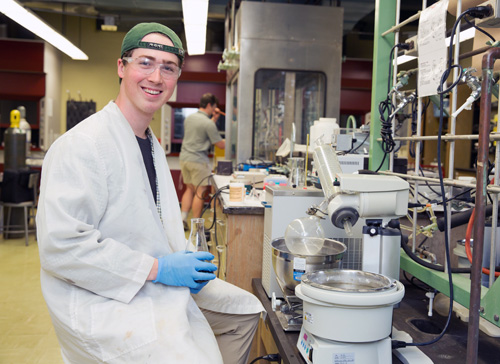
15 143
24 125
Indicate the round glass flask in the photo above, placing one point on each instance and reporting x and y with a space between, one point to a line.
305 236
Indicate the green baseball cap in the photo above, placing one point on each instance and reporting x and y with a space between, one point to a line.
133 39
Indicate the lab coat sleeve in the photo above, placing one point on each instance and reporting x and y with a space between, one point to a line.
74 198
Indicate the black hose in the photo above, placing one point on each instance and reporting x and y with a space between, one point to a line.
461 218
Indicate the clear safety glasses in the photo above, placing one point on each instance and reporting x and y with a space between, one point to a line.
147 66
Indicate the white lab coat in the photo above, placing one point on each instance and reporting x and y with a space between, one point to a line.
98 234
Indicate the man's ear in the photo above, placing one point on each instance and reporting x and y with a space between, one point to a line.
120 68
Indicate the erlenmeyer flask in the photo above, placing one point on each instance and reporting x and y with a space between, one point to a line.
197 240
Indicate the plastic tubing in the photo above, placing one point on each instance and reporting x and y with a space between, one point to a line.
351 120
468 234
468 251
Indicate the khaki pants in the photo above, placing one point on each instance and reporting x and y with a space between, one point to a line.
234 334
196 173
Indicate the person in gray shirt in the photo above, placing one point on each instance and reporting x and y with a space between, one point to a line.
200 133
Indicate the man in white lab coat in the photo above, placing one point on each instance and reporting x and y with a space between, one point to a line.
117 282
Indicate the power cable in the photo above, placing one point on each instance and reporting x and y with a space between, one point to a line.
352 150
387 107
481 30
270 358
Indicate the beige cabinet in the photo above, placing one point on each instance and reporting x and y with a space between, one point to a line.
242 236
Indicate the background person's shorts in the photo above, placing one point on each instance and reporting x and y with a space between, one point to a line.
194 173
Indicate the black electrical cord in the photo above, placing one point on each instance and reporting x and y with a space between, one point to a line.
427 182
355 149
214 220
269 357
445 212
387 107
198 185
424 286
381 163
422 242
490 169
477 12
412 205
445 76
414 116
481 30
421 195
460 194
212 199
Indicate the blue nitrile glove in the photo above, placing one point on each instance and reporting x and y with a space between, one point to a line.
186 269
196 290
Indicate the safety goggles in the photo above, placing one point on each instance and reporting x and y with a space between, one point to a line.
147 66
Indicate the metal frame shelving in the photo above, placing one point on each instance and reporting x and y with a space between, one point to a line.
468 292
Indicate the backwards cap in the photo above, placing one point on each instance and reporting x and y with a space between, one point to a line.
133 39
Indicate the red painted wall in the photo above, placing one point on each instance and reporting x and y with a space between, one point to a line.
199 76
191 92
21 65
356 87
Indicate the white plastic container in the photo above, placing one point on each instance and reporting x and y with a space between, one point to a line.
326 128
236 192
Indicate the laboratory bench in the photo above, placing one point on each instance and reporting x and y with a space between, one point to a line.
242 234
411 313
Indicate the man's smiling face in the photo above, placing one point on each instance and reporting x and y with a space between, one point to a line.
147 93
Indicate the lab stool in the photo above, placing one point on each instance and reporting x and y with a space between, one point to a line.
28 206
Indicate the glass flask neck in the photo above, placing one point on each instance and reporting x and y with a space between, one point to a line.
197 225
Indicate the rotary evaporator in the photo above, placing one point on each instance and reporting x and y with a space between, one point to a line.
347 313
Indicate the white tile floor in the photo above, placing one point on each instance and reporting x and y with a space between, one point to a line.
26 332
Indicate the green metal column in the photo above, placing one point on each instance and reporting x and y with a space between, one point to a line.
385 18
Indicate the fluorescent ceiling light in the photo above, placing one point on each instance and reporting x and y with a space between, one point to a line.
196 36
37 26
195 13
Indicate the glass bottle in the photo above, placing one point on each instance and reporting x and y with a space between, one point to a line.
197 240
